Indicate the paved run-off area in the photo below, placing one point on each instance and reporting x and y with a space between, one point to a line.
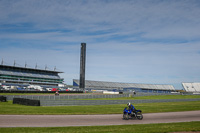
93 120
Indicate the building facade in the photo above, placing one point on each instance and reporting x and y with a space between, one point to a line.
22 76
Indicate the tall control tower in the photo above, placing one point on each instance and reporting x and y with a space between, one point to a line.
82 66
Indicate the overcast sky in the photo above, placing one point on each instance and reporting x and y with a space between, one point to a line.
130 41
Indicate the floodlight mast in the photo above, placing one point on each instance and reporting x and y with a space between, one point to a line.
82 66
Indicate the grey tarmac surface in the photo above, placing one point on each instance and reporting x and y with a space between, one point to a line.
94 120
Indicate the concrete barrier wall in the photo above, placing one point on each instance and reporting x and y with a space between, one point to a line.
24 101
110 92
3 99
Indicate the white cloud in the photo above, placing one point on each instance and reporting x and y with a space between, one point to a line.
140 41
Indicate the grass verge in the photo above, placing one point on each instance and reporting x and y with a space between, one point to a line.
9 108
150 97
141 128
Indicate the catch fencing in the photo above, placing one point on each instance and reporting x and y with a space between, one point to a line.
65 97
107 102
81 96
92 99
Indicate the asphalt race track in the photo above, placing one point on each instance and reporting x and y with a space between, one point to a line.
93 120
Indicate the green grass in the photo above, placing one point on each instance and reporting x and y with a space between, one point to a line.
9 108
141 128
151 97
168 97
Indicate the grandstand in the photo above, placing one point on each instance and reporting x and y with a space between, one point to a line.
191 87
22 76
101 85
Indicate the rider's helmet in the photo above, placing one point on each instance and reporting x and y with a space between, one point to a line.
128 104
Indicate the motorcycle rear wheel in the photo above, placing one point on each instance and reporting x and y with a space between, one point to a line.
125 116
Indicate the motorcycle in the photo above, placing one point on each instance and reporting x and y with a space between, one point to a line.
129 114
57 93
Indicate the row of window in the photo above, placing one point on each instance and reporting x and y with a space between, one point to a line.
25 77
28 70
8 77
31 80
19 83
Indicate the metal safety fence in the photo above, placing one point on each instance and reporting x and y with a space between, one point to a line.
81 96
65 97
92 99
106 102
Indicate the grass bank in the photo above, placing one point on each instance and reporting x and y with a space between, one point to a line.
151 97
9 108
142 128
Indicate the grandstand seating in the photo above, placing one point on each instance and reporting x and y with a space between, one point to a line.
112 85
21 76
4 72
191 87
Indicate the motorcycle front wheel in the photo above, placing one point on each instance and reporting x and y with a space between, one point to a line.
139 116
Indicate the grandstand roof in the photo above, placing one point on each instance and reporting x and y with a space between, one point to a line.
191 87
31 69
102 84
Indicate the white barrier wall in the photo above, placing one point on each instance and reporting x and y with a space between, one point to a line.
110 92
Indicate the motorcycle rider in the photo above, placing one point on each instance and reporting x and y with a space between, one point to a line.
57 93
131 108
